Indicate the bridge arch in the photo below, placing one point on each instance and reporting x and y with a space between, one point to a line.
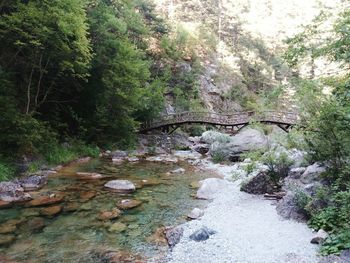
283 119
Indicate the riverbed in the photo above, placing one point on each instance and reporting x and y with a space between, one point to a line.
75 233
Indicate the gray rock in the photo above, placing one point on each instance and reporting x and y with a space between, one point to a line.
13 192
173 235
119 154
288 208
259 184
295 173
195 213
209 187
345 255
121 186
33 182
312 173
319 237
202 148
178 171
202 234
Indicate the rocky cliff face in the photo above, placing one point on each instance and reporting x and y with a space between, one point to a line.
239 43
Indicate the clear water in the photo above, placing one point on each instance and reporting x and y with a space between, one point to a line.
71 236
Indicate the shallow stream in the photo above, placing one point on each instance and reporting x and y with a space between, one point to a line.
74 233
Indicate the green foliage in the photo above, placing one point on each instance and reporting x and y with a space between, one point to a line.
7 170
218 157
336 243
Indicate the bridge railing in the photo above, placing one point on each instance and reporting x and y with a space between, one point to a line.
235 118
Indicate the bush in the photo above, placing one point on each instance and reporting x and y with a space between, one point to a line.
278 165
6 171
218 157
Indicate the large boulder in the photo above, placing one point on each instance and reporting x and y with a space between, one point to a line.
202 234
289 208
231 148
259 184
123 186
209 187
173 235
312 173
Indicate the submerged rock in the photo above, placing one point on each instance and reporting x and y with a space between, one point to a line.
117 227
209 187
7 228
6 240
108 215
46 200
195 213
202 234
120 257
128 203
86 196
89 176
177 171
36 224
123 186
51 210
158 237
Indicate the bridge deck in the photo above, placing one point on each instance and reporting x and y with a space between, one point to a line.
235 119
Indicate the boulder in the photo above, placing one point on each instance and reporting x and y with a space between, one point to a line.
108 215
13 192
202 234
259 184
209 187
195 213
202 148
46 200
295 173
319 237
33 182
128 203
288 208
119 154
312 173
173 235
89 176
123 186
51 210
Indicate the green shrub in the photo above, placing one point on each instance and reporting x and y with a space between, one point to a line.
6 171
218 157
336 243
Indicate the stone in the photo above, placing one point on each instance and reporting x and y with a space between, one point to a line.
89 176
150 182
123 186
13 192
128 204
259 184
288 208
51 210
33 182
195 184
132 159
345 255
36 224
133 226
71 207
312 173
117 227
120 257
320 236
6 240
202 234
7 228
117 160
108 215
158 237
173 235
86 196
46 200
295 173
119 154
177 171
202 148
195 213
4 204
209 187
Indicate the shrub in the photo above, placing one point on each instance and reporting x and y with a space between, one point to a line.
6 171
218 157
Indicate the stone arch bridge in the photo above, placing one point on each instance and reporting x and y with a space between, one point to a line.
234 121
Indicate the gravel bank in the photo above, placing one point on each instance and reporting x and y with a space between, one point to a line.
248 231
